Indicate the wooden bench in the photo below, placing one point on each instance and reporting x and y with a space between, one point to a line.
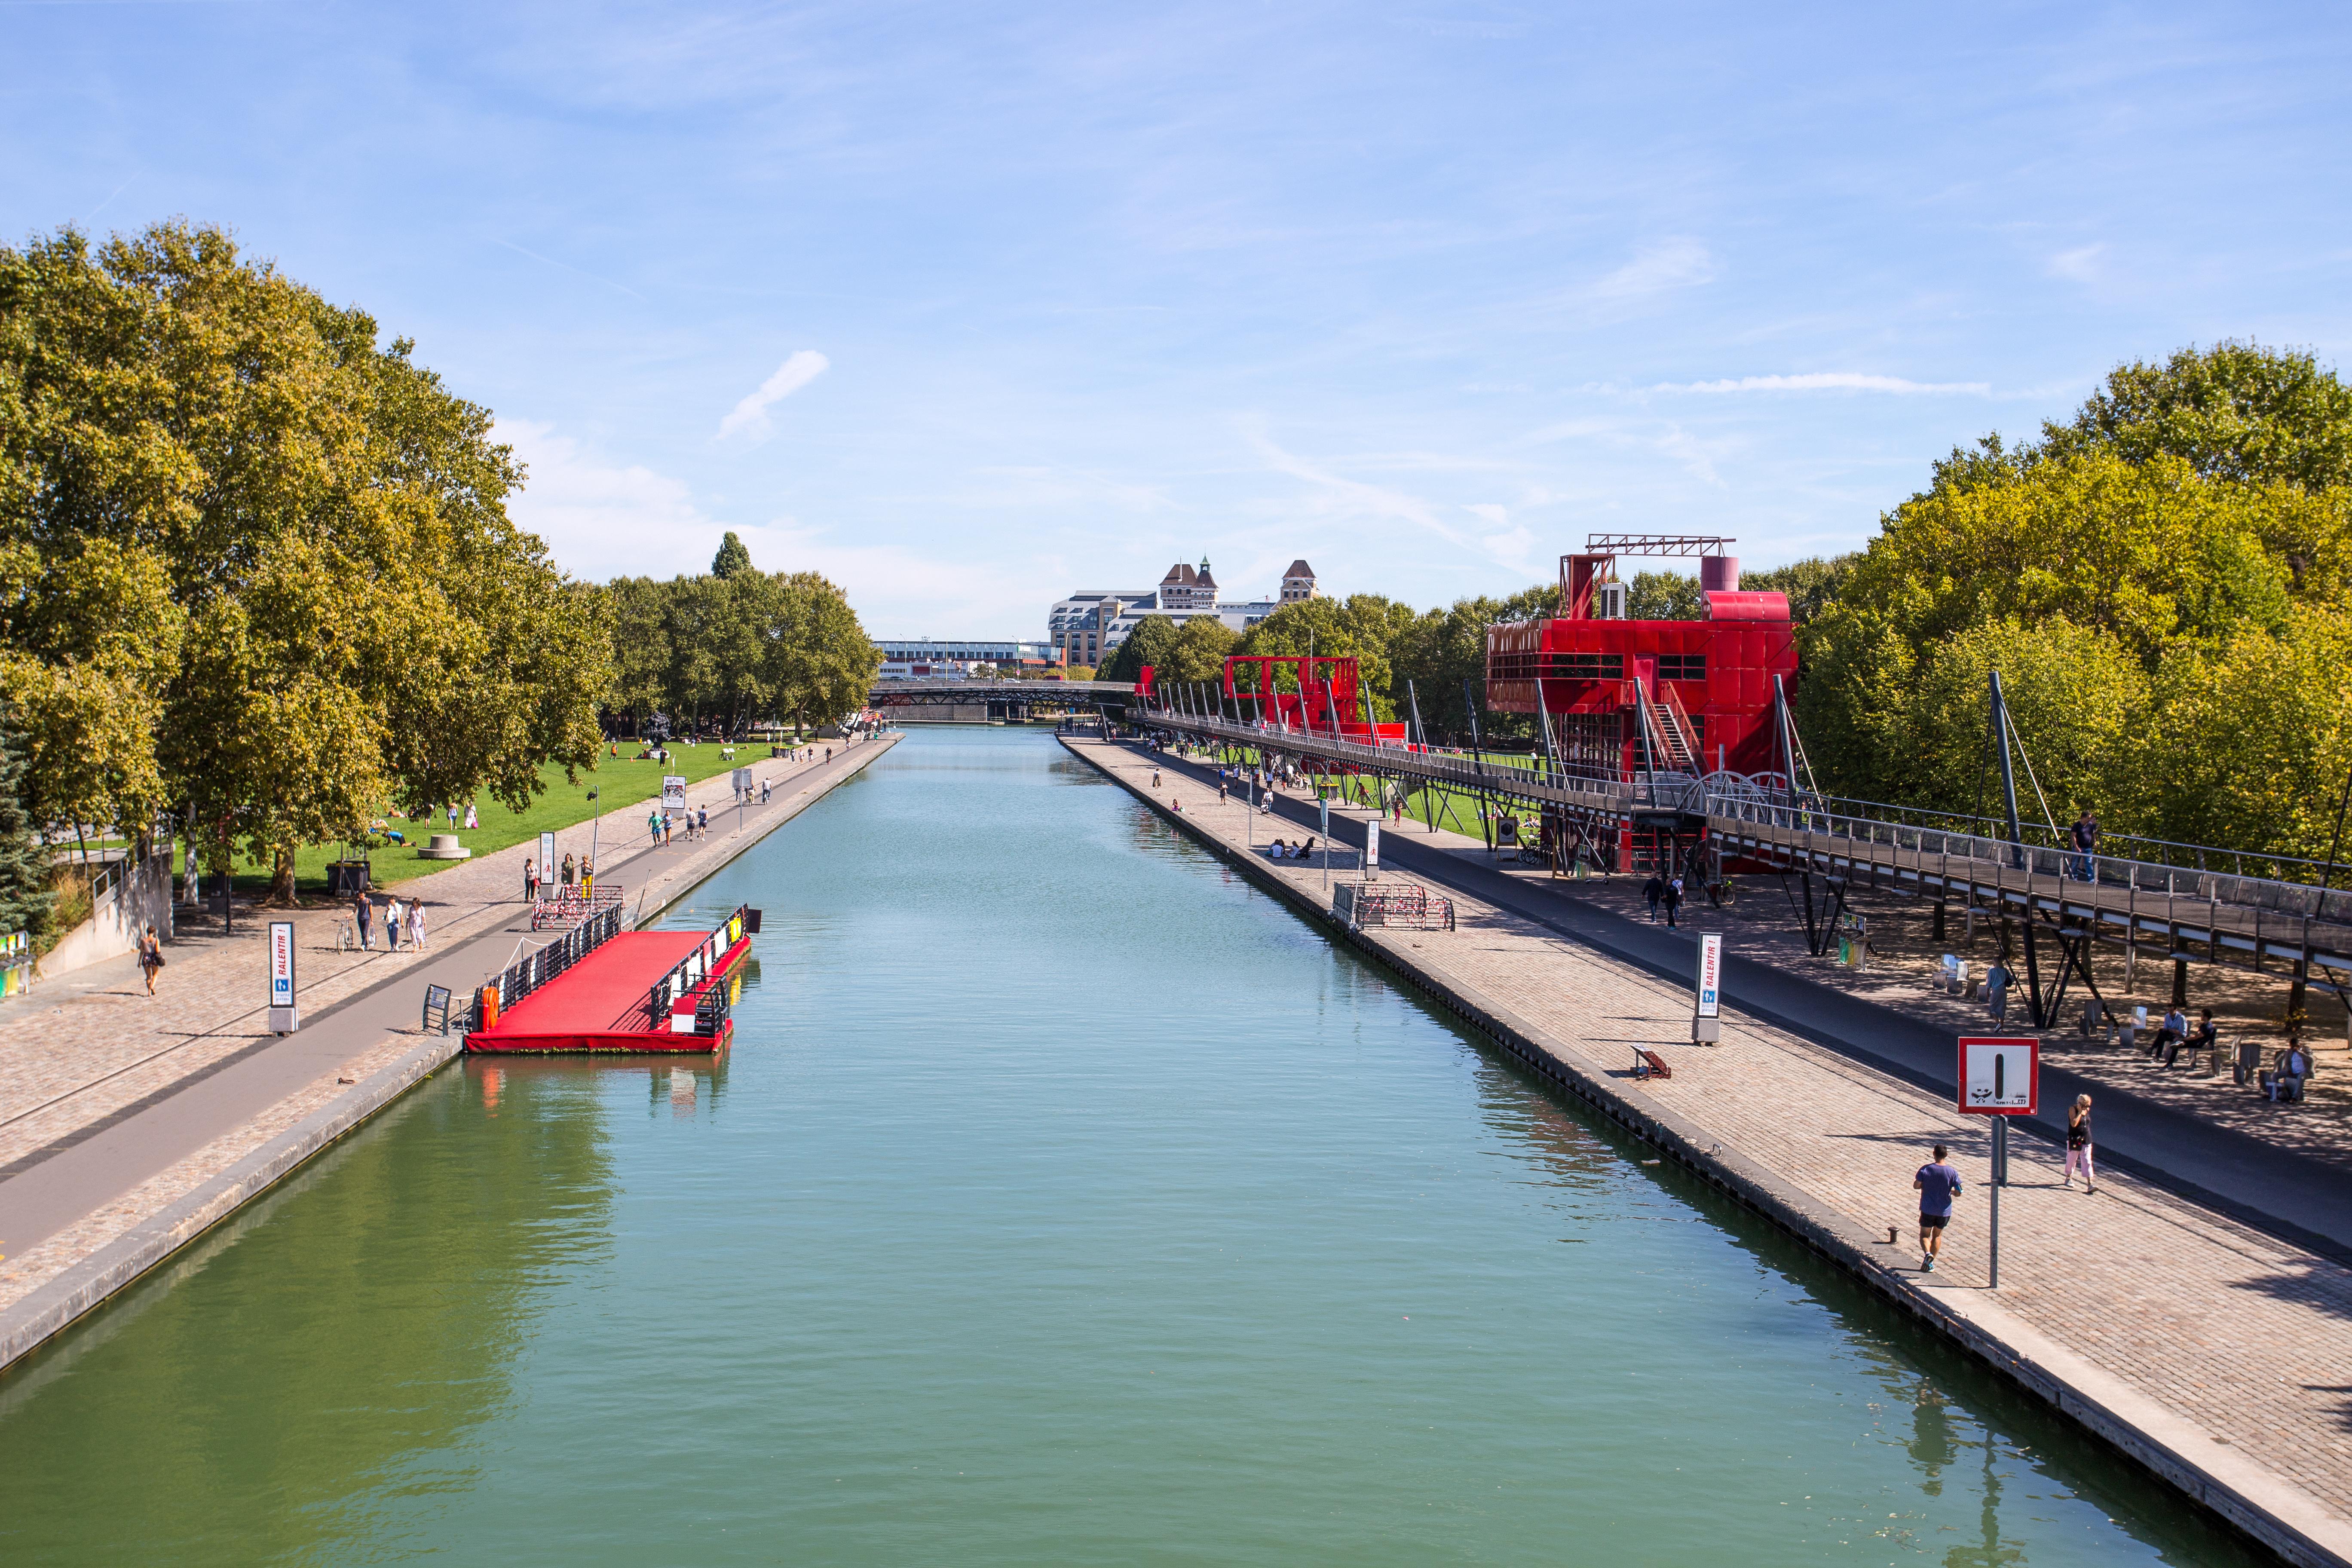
1650 1064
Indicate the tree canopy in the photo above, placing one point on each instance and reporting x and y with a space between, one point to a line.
738 647
257 563
2166 585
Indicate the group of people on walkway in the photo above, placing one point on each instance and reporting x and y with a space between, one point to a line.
1664 893
696 821
1278 850
403 923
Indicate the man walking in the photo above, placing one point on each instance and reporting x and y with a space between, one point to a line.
1672 899
363 917
1653 889
653 827
1937 1183
2086 846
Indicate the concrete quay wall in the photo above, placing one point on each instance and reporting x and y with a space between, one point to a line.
152 1238
2254 1499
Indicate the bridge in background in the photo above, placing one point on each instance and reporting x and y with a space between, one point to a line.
2181 903
1013 701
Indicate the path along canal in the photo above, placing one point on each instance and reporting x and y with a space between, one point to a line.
1062 1200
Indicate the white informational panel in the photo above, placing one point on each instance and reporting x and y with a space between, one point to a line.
2000 1075
673 793
285 1017
1710 975
546 860
1372 846
742 781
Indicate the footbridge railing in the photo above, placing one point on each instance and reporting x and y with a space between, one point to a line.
2191 911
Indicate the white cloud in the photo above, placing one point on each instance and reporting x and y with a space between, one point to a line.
601 518
1675 264
1832 381
2081 265
752 415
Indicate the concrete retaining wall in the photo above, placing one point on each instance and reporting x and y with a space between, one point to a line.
143 898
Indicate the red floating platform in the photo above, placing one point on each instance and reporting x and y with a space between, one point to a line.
608 1001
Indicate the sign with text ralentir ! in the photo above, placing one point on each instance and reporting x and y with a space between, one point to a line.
1706 1015
285 1017
673 793
1372 847
547 860
2000 1075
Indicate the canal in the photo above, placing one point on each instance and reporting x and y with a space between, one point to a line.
1062 1199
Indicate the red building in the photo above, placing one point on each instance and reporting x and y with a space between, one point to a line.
1705 686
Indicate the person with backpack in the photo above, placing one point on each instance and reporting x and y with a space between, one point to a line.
1654 889
1672 899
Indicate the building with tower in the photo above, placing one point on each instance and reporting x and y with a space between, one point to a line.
1299 582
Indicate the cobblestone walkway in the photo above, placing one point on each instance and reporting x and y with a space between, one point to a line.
2243 1337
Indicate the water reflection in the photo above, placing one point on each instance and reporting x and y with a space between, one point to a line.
348 1331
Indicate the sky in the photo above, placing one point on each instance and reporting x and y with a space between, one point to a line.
971 306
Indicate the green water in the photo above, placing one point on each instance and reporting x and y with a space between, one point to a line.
1062 1200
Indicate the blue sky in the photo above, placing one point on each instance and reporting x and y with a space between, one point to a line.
969 306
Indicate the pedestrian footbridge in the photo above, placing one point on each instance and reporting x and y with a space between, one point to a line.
2181 903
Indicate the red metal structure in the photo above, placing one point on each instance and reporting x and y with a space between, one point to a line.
1325 696
1624 699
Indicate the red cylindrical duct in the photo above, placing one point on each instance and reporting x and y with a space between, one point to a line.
1718 573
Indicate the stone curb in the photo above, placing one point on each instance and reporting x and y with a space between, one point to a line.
2252 1498
56 1305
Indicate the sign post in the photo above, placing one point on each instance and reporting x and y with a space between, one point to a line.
546 863
285 1014
1706 1015
673 793
1372 850
2000 1077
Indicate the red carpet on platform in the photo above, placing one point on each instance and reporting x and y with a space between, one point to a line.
599 1003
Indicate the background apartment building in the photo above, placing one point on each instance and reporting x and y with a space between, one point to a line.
1088 625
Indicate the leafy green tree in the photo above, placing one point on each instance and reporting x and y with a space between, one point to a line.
1198 651
820 665
732 557
235 519
1664 597
1810 585
1150 642
2234 411
26 898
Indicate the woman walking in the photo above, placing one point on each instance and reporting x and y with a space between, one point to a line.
2078 1142
392 926
364 916
416 924
151 957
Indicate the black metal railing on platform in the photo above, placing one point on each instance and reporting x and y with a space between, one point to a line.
535 969
711 1007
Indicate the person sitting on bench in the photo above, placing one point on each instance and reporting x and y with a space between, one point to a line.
2285 1085
2168 1035
2207 1039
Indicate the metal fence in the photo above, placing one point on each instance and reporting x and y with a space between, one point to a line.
535 969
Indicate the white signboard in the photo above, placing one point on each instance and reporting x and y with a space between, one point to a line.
2001 1076
285 1017
1372 846
742 781
546 860
1710 975
673 793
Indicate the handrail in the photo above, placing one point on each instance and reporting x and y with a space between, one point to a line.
1782 812
535 969
688 972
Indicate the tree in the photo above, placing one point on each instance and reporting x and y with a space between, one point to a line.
731 557
2236 411
1198 651
820 665
25 897
230 518
1149 643
1810 585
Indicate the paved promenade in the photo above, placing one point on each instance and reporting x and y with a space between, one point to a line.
2219 1354
118 1112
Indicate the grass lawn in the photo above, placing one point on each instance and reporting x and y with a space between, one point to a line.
620 780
